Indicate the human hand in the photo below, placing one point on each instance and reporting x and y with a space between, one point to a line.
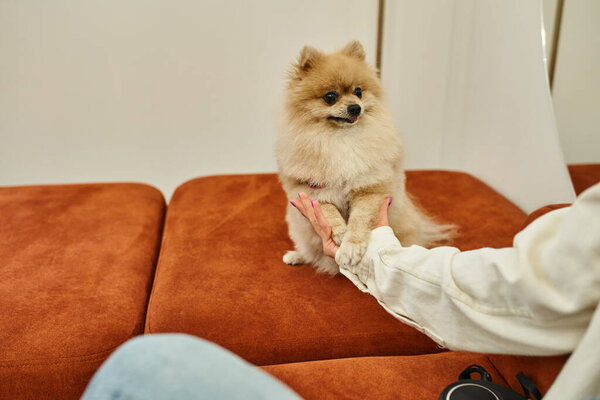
312 211
382 215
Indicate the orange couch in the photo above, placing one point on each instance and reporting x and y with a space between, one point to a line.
86 267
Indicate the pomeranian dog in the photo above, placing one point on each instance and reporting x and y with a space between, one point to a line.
337 143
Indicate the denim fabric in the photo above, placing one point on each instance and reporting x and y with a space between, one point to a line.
182 367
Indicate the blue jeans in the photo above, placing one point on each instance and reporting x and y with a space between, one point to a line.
180 367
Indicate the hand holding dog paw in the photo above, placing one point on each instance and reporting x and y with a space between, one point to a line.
354 249
335 220
351 252
338 233
313 212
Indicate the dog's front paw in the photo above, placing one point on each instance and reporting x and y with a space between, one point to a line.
337 233
351 252
293 258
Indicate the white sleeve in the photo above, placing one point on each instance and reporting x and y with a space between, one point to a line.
535 298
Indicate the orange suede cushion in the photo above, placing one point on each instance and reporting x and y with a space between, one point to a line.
541 370
77 263
401 377
220 275
542 211
484 217
584 176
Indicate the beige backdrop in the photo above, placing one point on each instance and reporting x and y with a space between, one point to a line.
152 90
161 92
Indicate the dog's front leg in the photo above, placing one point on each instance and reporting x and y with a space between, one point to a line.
364 205
336 221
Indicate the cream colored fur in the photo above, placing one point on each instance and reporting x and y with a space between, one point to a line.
359 164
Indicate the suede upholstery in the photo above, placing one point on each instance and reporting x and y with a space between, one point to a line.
220 275
541 370
584 175
406 378
77 263
541 211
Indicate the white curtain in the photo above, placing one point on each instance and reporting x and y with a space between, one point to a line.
466 81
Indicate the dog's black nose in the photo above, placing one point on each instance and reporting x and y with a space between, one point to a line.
354 110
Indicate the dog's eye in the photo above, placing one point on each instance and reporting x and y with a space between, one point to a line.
330 97
358 92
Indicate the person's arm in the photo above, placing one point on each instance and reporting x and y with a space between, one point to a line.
534 298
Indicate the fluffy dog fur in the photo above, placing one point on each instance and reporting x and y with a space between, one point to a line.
349 166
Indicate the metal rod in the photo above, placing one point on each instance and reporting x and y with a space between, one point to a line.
380 20
555 36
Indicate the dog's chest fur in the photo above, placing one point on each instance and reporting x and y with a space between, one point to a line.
346 158
328 172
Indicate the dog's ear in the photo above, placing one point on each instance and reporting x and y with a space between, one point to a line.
354 49
307 59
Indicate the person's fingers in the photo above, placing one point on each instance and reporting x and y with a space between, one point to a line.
312 211
329 246
302 203
323 223
382 215
299 206
309 211
306 204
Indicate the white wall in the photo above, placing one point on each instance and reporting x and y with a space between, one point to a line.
467 84
163 91
576 89
152 90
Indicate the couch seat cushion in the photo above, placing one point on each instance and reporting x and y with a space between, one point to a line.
77 263
220 273
401 377
541 370
584 176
